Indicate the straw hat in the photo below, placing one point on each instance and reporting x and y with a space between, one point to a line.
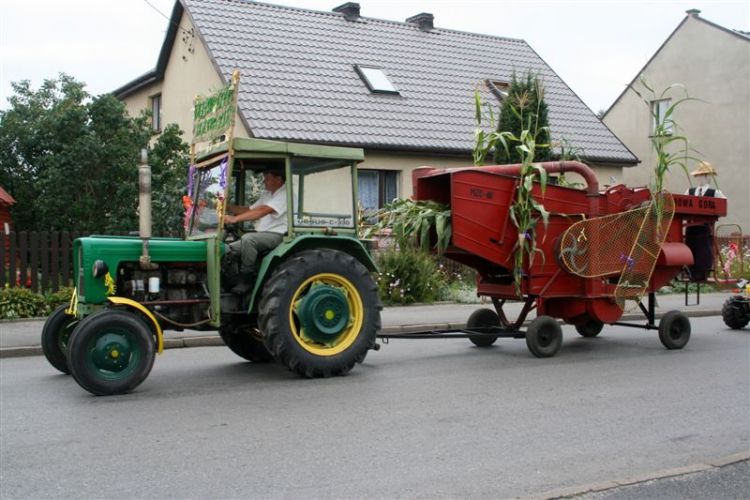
704 168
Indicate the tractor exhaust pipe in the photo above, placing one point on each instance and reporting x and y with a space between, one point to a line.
144 209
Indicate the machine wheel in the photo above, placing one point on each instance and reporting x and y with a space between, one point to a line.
736 312
320 312
111 352
246 343
482 318
544 337
591 328
674 330
55 336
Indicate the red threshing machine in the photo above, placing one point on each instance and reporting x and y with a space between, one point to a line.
599 250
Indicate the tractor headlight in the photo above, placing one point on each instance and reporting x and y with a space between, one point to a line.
99 269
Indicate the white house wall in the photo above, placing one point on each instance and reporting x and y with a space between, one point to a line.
714 67
189 73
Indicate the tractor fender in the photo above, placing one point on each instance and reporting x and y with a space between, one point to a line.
122 301
346 244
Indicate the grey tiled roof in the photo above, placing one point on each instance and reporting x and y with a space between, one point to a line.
298 80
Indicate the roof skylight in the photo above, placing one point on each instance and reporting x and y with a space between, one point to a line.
499 88
376 79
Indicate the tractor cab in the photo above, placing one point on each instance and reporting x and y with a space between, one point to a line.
321 186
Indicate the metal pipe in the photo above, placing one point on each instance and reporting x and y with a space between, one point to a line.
553 167
144 209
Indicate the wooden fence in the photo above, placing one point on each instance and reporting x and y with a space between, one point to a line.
41 261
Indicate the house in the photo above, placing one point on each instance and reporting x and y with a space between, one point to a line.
6 201
403 91
713 64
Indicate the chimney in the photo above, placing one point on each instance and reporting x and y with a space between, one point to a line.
424 21
349 9
693 12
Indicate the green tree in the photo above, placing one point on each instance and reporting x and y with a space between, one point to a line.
524 109
169 161
70 160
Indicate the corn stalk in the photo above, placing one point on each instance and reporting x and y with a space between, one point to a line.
411 223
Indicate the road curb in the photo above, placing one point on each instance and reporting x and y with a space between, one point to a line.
574 491
215 340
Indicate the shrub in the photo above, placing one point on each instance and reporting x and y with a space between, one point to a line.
407 276
58 298
21 303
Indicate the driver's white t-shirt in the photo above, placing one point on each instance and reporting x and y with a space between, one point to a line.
274 222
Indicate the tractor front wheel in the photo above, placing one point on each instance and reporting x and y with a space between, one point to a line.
55 336
111 352
544 337
320 312
482 318
674 330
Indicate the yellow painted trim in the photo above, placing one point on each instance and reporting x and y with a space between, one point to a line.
356 315
72 309
122 301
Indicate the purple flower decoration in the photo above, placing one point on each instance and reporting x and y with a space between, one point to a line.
628 261
191 173
223 174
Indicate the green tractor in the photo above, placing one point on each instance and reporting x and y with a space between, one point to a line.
313 307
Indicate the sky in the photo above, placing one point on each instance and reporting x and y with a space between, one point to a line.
596 46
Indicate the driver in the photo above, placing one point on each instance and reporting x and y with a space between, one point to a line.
269 216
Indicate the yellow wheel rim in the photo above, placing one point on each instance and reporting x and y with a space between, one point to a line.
350 331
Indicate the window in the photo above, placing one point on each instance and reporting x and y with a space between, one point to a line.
499 88
376 188
658 121
156 113
376 80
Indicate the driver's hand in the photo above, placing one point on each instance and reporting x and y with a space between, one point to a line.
230 219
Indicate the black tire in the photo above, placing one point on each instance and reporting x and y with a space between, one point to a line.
482 318
591 328
319 313
55 336
544 337
674 330
246 343
111 352
736 312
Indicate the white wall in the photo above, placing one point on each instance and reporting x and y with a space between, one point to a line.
714 67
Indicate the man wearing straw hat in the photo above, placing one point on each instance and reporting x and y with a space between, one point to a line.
703 174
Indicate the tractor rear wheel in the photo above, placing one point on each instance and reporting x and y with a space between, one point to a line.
674 330
320 312
55 336
736 312
482 318
544 337
245 342
111 352
591 328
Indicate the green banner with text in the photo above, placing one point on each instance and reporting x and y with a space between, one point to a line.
213 116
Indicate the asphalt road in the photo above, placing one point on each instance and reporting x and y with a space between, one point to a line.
419 419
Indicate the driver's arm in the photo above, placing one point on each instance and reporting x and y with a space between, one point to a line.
249 214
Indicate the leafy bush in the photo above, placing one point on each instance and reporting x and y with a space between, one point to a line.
21 303
58 298
407 276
